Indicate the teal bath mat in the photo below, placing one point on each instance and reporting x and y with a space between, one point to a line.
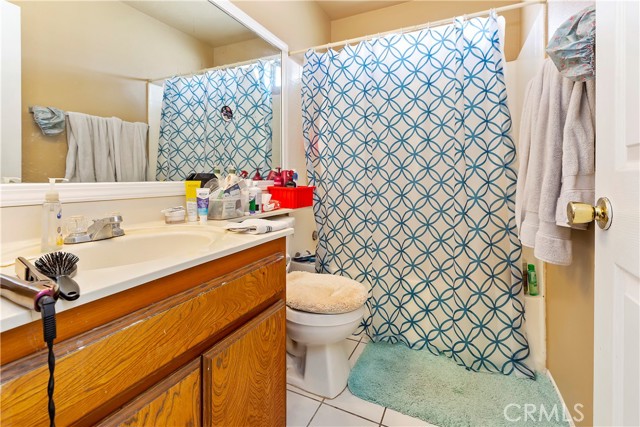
437 390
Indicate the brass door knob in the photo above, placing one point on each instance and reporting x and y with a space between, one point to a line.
582 213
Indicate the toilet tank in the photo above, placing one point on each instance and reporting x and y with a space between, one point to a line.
303 266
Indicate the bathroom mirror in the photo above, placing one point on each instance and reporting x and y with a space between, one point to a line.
108 59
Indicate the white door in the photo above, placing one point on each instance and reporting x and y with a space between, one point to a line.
617 271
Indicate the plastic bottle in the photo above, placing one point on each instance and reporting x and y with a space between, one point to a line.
532 279
277 179
52 239
255 199
231 178
246 197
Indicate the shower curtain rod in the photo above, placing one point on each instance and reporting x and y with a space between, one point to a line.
235 64
421 26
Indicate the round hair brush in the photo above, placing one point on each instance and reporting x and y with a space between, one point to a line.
61 266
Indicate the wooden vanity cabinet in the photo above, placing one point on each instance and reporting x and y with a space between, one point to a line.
210 352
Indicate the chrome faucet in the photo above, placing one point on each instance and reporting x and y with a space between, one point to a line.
103 228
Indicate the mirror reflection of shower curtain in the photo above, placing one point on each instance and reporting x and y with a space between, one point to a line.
194 136
407 141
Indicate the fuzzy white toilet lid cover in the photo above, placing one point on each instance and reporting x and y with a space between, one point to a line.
324 293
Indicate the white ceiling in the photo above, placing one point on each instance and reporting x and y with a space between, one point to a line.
198 18
342 9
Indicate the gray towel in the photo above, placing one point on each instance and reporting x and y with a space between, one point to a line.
50 120
129 150
578 152
105 149
556 161
89 157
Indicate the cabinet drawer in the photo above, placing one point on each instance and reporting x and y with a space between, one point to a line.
174 401
99 371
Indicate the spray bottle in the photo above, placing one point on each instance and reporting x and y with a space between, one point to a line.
52 218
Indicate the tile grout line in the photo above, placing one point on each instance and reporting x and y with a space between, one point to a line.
344 410
382 419
353 351
314 414
308 397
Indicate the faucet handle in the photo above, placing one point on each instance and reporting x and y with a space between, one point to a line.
76 224
113 217
77 228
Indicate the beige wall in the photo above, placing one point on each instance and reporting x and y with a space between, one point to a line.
242 51
419 12
94 58
569 296
300 24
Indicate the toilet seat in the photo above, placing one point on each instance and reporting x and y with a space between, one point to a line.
315 319
324 293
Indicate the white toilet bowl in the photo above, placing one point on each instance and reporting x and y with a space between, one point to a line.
317 361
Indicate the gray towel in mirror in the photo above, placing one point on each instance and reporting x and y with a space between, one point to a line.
49 119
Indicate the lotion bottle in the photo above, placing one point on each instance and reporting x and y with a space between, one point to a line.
52 239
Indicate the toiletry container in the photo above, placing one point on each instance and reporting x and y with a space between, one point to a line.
255 199
52 239
277 179
231 178
191 199
532 278
246 196
175 215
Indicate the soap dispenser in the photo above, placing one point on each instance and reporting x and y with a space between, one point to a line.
52 218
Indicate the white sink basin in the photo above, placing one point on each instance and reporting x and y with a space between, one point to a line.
142 255
135 247
144 245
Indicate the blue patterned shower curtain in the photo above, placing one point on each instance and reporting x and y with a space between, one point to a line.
194 137
407 141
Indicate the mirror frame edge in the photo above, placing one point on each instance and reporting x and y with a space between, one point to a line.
28 194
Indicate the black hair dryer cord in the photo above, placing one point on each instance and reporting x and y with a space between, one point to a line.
48 309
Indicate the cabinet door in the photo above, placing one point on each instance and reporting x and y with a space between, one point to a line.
174 401
244 376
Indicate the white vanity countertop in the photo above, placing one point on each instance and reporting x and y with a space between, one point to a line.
103 276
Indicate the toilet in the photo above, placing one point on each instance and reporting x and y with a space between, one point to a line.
316 358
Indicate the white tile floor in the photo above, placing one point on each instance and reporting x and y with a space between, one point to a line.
306 409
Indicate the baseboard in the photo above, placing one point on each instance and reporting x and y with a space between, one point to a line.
564 405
